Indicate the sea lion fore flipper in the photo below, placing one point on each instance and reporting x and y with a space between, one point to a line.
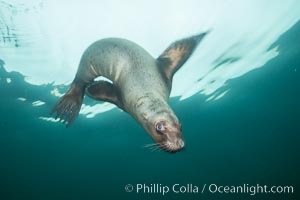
177 54
104 91
68 107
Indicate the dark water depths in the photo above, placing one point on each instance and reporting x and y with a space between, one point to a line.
250 136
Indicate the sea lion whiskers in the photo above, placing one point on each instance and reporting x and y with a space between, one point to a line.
159 147
155 148
151 144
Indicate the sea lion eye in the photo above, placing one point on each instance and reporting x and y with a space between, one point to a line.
160 127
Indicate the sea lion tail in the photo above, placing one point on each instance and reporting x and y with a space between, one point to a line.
68 106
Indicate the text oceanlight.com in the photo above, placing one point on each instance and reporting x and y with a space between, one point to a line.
157 188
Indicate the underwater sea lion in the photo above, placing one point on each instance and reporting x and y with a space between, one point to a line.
140 85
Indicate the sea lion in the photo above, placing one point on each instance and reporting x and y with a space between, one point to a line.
140 85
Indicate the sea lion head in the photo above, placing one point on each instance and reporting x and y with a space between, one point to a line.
165 130
164 127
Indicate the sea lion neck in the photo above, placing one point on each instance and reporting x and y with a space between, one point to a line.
148 108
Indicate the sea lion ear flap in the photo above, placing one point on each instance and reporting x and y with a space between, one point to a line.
177 54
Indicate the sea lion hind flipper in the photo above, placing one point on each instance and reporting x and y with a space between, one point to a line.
104 91
177 54
68 107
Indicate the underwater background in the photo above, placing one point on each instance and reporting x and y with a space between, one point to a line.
239 105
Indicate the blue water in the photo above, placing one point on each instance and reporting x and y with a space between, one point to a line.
249 136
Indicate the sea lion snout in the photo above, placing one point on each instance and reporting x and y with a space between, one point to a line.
180 143
173 146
